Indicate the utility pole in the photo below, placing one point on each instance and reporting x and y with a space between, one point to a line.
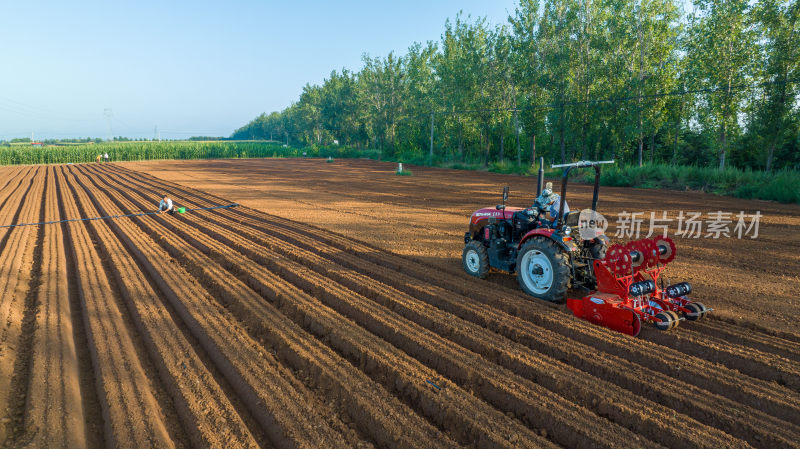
517 131
108 114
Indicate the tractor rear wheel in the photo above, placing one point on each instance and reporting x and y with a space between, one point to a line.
475 259
543 270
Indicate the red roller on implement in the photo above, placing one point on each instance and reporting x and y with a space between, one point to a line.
628 292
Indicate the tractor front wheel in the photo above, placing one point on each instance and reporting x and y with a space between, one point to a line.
475 259
543 270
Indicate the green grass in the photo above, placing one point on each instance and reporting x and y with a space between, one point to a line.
782 186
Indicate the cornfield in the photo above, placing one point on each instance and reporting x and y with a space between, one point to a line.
139 151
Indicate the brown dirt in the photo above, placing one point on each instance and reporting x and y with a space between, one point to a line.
424 216
333 312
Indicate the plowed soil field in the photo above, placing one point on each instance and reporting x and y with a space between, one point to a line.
330 310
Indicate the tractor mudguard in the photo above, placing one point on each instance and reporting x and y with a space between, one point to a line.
551 234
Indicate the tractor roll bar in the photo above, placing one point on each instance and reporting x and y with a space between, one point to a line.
540 182
568 167
580 164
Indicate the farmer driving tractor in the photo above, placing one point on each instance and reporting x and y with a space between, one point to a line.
549 201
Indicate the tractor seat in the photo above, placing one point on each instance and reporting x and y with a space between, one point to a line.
571 218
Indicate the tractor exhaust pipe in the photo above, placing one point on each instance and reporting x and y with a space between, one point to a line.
541 177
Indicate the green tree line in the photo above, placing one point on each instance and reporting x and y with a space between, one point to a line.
641 81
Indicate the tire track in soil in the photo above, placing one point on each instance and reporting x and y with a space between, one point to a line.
282 407
54 415
132 416
759 434
763 395
435 354
208 418
17 304
404 433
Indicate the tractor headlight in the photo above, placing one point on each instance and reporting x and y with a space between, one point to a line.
567 230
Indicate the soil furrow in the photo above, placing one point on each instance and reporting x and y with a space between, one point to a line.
470 424
17 250
168 413
13 182
473 338
55 410
745 359
280 406
390 425
431 349
727 392
24 321
700 404
208 416
703 374
762 430
131 413
734 334
93 407
271 188
642 416
756 393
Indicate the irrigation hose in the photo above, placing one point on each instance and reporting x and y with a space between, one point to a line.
111 217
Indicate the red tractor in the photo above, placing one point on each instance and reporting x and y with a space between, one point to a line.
620 284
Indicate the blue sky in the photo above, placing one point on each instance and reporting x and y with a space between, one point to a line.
190 67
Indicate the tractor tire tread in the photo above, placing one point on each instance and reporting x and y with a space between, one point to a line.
561 272
483 254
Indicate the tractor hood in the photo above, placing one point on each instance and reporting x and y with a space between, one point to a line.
486 213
